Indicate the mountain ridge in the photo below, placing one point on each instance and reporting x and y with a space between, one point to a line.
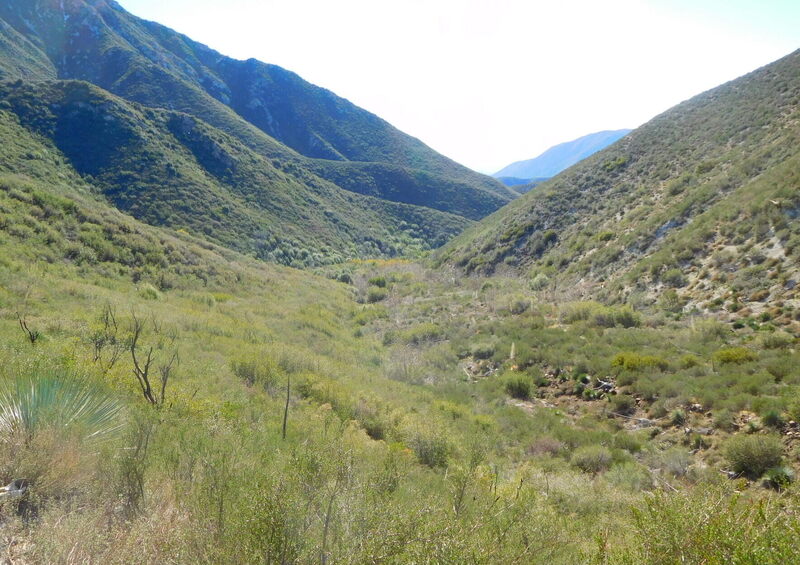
148 64
227 80
171 169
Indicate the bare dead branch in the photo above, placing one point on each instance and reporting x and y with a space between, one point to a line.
286 408
165 372
142 373
107 335
32 335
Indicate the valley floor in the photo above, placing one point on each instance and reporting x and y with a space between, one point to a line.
430 419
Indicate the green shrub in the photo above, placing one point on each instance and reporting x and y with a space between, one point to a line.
379 282
596 314
482 350
780 368
516 305
258 371
369 314
592 459
623 404
689 361
376 294
772 418
636 362
777 340
674 461
590 394
421 333
431 448
752 455
518 386
627 441
630 476
149 292
712 330
723 420
674 278
540 282
708 525
734 355
622 316
678 418
671 301
779 477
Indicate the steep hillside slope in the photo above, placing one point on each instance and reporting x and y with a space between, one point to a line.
704 198
173 170
561 156
270 109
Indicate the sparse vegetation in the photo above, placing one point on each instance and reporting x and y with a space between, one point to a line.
169 395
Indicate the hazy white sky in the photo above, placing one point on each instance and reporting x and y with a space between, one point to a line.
489 82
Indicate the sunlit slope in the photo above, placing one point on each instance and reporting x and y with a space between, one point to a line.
703 198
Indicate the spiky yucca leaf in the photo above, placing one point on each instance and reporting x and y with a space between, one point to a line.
60 403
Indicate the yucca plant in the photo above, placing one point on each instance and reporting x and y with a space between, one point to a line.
58 403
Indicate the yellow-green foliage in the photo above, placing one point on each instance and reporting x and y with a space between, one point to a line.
592 459
734 355
636 362
710 525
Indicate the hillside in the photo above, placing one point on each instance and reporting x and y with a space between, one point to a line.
322 144
291 416
605 371
697 207
172 170
561 156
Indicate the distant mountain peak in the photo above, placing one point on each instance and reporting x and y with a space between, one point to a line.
562 156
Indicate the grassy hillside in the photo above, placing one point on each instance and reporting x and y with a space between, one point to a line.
167 397
274 112
431 418
697 207
424 422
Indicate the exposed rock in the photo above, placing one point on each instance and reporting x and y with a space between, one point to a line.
14 489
